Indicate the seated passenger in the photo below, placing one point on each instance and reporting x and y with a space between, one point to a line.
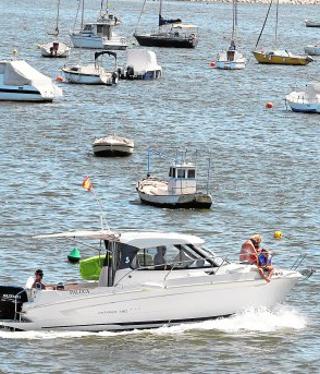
159 260
38 284
264 264
250 250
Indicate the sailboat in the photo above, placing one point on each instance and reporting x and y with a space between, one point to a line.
55 48
231 59
96 35
171 33
277 56
106 16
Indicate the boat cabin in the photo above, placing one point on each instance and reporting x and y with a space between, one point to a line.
182 179
98 29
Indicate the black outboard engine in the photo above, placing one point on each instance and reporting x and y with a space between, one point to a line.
7 301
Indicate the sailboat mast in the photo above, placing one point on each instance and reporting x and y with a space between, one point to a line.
276 28
82 15
264 23
57 20
160 13
233 18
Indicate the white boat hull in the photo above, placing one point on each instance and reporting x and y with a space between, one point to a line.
23 93
78 78
196 298
98 42
298 102
112 150
62 52
230 65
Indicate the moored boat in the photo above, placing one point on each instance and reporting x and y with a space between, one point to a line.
148 279
21 82
312 50
141 64
310 23
307 100
113 145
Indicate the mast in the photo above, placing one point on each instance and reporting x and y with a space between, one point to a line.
264 23
57 20
233 18
276 28
160 14
82 15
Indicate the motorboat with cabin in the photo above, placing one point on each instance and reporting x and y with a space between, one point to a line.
97 35
93 73
171 33
21 82
55 48
148 279
179 191
141 64
112 146
307 100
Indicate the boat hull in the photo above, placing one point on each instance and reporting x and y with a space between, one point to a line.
107 150
303 107
94 79
312 50
167 42
230 65
107 309
266 58
46 50
194 200
28 93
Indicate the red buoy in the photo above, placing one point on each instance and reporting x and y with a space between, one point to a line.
59 78
212 64
269 105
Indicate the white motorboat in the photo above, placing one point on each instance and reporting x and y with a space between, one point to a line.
113 145
179 191
56 48
93 73
141 64
21 82
97 35
313 50
307 101
148 279
310 23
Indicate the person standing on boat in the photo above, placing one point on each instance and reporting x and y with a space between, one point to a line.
38 284
250 250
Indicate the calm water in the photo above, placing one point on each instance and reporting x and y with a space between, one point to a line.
265 176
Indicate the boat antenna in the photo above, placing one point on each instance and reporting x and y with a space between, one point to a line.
264 23
140 15
209 167
276 28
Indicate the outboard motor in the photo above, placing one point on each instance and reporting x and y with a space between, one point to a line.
7 301
130 72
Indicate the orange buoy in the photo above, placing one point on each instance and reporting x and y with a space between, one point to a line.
269 105
59 78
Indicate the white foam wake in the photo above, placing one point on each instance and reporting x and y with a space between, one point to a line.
253 320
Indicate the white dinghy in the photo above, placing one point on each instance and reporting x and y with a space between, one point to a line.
148 279
93 73
113 145
141 64
21 82
306 101
179 191
312 50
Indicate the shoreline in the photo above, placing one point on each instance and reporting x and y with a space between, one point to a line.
264 2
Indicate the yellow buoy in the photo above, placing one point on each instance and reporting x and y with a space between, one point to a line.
278 235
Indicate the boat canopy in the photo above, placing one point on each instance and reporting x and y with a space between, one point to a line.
142 60
163 21
97 54
20 73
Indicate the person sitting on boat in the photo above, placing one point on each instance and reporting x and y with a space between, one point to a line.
250 250
38 284
264 264
159 260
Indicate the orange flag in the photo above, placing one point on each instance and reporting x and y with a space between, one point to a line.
87 184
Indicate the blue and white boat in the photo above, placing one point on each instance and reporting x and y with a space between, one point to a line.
141 64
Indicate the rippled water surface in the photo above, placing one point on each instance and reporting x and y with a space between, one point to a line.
265 176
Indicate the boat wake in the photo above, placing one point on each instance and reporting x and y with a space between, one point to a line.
251 321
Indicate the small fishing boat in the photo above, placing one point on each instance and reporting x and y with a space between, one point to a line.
55 48
147 279
113 145
231 59
171 33
312 50
276 55
179 191
310 23
307 100
96 35
93 73
21 82
141 64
